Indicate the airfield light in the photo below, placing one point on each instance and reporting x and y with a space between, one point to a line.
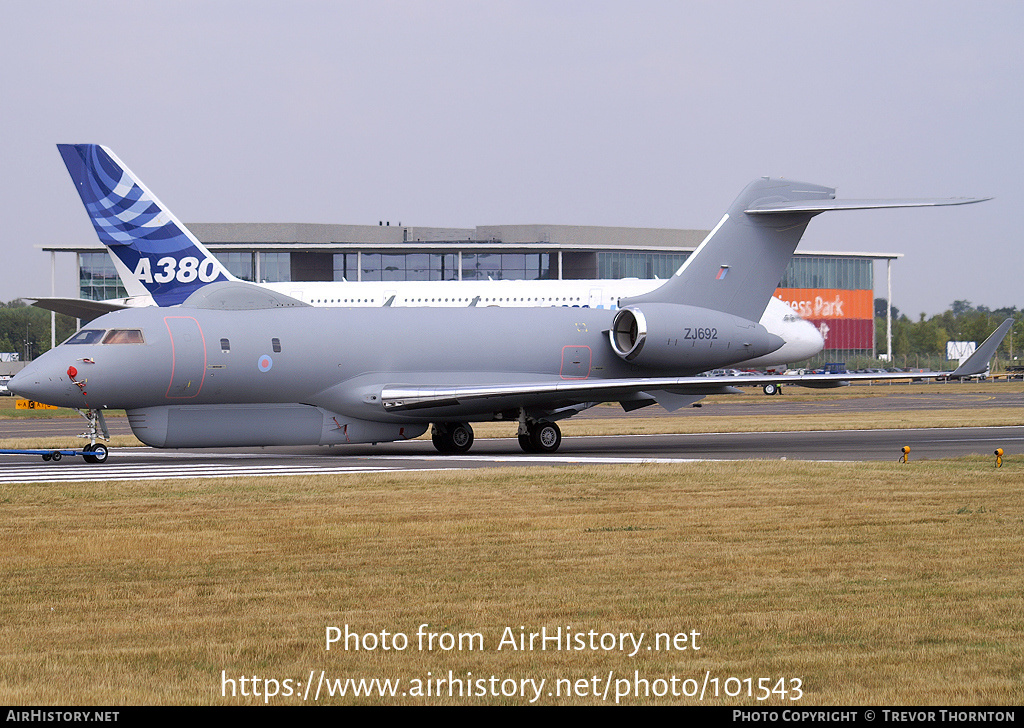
905 457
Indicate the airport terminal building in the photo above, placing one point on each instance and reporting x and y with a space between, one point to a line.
835 291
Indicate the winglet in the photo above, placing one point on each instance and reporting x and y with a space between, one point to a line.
977 362
154 253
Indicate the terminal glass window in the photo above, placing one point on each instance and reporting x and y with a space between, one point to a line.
345 267
506 266
98 279
275 267
829 273
398 266
444 266
240 265
613 265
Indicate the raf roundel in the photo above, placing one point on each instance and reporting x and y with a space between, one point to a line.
265 363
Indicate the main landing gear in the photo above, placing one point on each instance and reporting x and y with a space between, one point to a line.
539 437
452 438
535 436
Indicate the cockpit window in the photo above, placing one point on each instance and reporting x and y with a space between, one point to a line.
86 336
113 336
124 336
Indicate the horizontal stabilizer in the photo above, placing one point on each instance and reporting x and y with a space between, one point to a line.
816 206
76 307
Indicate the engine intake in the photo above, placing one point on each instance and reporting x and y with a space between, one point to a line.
676 336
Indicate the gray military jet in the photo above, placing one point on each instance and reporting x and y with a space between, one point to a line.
237 365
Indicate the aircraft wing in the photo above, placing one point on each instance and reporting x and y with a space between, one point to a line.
560 393
667 390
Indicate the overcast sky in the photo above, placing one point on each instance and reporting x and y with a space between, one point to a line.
457 114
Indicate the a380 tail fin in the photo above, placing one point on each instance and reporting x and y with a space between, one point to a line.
740 263
153 251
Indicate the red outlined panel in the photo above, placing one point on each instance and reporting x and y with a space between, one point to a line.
576 360
188 357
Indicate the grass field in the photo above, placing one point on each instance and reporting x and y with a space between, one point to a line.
871 583
868 584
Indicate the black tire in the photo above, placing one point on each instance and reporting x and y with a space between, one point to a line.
545 437
460 435
771 389
453 438
55 456
99 454
47 456
524 442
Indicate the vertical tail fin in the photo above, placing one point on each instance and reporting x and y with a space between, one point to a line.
740 263
153 252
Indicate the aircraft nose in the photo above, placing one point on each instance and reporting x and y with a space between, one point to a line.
806 341
36 383
811 339
775 342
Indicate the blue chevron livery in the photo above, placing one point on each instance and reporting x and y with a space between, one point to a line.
142 235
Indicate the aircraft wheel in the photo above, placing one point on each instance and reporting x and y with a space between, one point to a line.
771 389
98 455
452 439
461 437
545 437
524 442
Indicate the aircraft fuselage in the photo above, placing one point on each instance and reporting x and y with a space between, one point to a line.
337 361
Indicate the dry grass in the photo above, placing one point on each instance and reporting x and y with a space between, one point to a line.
46 443
896 419
873 583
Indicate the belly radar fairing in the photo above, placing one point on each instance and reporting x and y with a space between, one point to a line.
236 364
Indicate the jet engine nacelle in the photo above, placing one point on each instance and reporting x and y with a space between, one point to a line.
675 336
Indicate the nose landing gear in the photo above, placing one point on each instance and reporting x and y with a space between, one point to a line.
95 452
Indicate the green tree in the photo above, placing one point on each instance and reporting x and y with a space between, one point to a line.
26 329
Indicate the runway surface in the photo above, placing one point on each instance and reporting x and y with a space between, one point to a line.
842 445
829 445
